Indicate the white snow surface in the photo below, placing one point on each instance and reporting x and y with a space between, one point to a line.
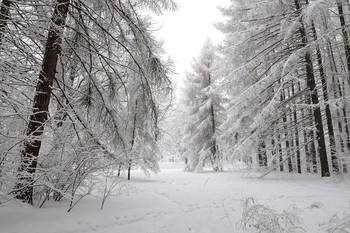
174 201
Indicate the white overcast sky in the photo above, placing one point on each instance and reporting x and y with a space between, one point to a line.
185 30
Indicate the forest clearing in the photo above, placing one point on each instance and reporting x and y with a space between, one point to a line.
174 201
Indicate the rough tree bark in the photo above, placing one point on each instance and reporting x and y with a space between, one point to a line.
334 158
35 129
311 84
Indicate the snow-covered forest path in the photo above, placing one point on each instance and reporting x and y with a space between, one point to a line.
177 202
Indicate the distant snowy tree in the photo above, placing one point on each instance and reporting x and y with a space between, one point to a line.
170 144
204 112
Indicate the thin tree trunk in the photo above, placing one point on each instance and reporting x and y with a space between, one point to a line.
132 139
334 159
4 16
281 141
341 114
262 156
273 152
317 116
213 129
345 36
311 84
213 146
119 170
286 134
129 169
280 151
312 154
296 134
24 187
343 123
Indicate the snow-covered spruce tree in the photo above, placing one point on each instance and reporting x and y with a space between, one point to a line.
311 85
95 55
121 108
254 78
284 84
203 113
321 32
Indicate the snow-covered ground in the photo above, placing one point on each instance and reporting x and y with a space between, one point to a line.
177 202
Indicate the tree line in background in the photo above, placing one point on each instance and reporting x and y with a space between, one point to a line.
276 94
83 88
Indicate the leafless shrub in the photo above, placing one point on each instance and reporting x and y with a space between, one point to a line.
339 222
264 219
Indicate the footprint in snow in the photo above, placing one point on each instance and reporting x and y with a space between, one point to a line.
316 205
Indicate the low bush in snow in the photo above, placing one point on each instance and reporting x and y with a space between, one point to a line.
339 222
264 219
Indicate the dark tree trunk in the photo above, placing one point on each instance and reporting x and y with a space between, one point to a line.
119 170
24 187
345 36
335 163
342 111
4 16
311 84
262 154
308 134
295 120
214 151
273 144
133 138
129 169
285 96
317 116
279 140
280 152
213 146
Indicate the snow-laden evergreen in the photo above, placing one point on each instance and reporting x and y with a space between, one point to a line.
85 85
203 112
283 70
